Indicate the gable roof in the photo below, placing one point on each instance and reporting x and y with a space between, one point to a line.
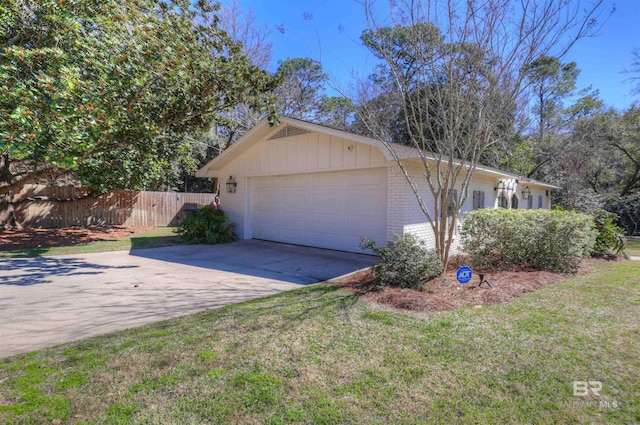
292 126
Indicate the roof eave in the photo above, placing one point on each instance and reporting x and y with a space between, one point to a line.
263 130
257 133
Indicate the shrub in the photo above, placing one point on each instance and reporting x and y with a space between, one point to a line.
541 239
609 238
206 225
404 262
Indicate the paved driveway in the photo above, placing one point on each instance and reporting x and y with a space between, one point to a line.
47 301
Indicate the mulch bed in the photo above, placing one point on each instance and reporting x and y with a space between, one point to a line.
444 294
39 238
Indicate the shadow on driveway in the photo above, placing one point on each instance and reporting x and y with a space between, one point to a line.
270 260
94 294
39 270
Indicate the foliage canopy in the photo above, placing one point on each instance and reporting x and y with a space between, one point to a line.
107 90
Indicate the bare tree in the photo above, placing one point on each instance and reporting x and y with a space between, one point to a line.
459 68
240 24
635 71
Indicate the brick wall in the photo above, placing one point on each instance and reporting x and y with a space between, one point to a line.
404 212
397 189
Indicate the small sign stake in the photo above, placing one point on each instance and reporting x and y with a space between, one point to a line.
483 280
464 275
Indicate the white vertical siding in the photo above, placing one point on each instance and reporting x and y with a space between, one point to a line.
305 153
300 154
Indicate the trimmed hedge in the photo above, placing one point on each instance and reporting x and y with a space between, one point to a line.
541 239
206 225
405 262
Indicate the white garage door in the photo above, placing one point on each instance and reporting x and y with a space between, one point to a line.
327 210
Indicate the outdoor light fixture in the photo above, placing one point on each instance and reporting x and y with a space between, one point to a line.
525 193
231 185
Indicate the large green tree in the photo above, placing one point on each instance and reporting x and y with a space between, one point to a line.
624 139
299 92
550 82
106 90
598 159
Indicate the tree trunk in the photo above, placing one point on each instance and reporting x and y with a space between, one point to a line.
7 209
7 213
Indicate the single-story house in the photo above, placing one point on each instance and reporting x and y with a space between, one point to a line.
307 184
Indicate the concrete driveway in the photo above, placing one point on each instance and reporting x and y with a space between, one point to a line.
47 301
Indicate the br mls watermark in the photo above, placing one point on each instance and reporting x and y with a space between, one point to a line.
586 389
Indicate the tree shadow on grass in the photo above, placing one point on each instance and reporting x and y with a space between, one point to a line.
292 308
39 270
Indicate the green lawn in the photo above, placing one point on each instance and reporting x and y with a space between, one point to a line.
160 236
323 355
633 247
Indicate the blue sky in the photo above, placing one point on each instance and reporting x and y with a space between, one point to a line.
329 31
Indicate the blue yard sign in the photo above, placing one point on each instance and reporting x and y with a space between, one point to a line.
464 274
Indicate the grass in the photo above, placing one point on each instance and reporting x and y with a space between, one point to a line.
322 355
154 238
633 247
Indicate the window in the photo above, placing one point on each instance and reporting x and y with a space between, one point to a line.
530 202
514 202
540 204
478 199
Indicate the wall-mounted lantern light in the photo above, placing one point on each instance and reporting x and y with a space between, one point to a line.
526 192
231 185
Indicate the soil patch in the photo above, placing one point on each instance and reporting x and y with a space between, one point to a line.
41 238
444 294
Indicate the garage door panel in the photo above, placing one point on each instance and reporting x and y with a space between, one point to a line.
268 200
295 218
294 200
324 239
365 191
365 179
364 202
325 200
326 181
328 210
371 221
265 184
265 232
293 235
354 240
268 215
295 182
324 219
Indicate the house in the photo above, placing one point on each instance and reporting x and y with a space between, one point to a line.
307 184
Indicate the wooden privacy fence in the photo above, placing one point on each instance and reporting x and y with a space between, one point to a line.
41 207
